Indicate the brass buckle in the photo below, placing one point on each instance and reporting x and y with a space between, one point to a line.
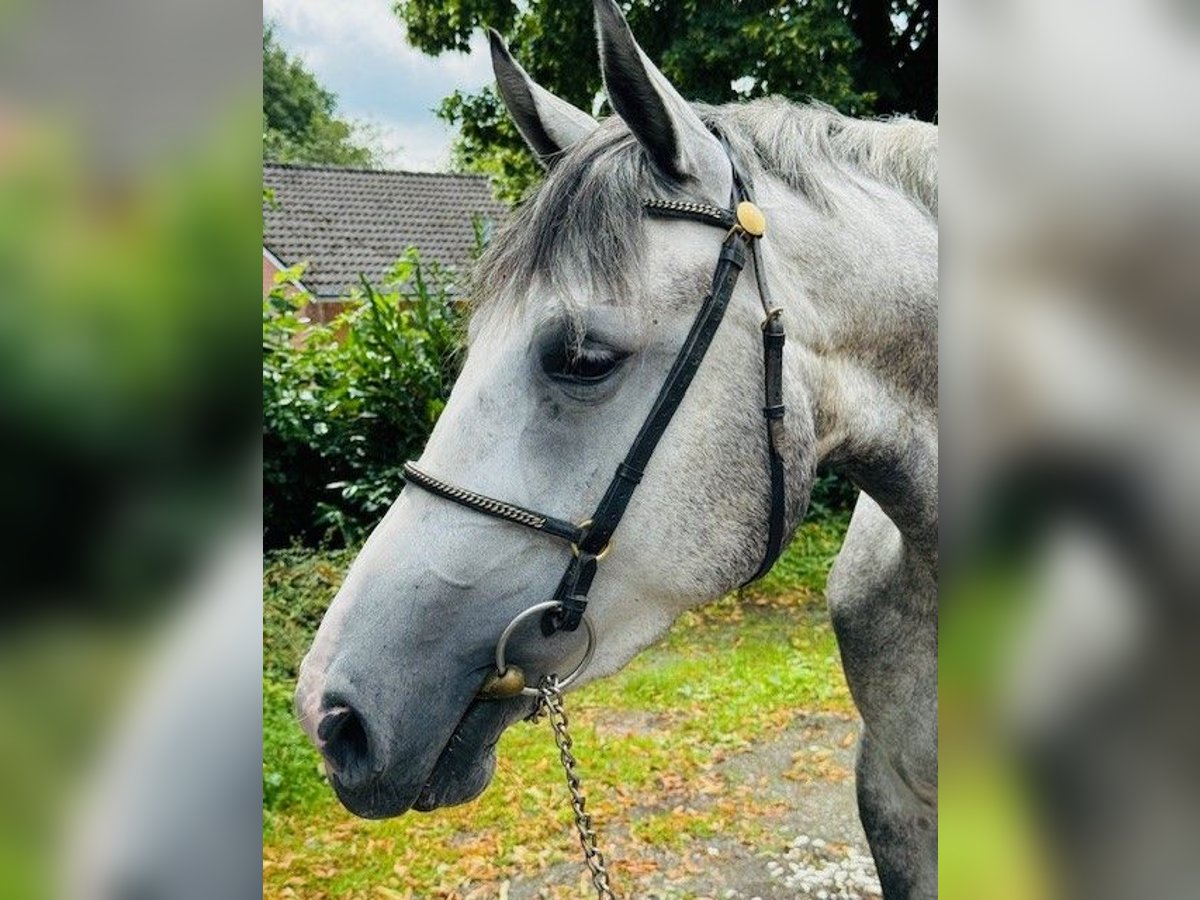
751 219
748 220
584 526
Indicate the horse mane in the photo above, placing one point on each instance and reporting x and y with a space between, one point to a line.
799 144
584 220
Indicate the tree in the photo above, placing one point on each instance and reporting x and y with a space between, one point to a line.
299 116
861 56
897 58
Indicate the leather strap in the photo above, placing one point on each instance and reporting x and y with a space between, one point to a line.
577 580
774 338
773 410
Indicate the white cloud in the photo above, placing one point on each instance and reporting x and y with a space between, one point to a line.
411 146
357 49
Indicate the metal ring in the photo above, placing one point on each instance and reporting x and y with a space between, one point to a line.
502 664
584 526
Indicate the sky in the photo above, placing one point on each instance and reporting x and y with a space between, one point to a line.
356 49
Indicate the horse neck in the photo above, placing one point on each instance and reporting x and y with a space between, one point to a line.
862 313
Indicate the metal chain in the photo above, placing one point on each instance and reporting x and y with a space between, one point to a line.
550 701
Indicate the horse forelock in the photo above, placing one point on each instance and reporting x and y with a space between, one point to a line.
580 231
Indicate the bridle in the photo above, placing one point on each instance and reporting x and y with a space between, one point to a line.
591 540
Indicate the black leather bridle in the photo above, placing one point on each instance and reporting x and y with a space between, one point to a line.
744 224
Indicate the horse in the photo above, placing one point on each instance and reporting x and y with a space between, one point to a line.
582 303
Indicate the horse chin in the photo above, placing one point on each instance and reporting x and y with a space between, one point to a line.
468 762
462 784
380 800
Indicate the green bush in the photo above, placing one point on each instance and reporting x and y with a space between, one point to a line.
292 774
298 586
345 404
832 495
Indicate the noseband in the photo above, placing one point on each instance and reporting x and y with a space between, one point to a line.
591 540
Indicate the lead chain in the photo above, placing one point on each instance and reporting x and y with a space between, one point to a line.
550 701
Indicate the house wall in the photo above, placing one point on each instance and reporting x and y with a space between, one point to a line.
270 270
319 310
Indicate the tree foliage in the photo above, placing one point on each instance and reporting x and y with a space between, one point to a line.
300 121
863 57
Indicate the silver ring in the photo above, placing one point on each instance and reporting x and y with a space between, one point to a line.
502 664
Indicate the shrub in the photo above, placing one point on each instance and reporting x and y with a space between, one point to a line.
345 404
298 586
292 774
831 496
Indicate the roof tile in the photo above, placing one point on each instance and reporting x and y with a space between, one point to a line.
349 222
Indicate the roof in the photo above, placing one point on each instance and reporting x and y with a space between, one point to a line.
346 222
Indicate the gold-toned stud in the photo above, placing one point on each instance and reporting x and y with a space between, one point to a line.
751 219
499 685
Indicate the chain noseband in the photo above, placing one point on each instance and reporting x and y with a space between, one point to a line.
591 540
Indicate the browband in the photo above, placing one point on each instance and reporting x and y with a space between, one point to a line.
696 212
590 540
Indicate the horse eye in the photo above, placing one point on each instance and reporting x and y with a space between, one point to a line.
586 362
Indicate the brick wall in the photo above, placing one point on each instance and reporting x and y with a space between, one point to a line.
318 311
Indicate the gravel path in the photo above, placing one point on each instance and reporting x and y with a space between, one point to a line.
812 846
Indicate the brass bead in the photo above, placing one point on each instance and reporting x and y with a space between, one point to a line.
497 686
751 218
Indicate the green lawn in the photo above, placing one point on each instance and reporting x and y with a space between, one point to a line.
649 742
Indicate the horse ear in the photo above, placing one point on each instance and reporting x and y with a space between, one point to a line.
548 124
663 122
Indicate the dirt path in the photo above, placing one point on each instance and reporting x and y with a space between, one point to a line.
808 842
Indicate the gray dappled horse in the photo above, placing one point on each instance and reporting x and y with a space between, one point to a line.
583 303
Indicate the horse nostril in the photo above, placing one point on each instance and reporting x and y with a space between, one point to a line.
344 743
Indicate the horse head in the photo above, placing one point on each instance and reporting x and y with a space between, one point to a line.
582 306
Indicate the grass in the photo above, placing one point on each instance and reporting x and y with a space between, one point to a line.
650 742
